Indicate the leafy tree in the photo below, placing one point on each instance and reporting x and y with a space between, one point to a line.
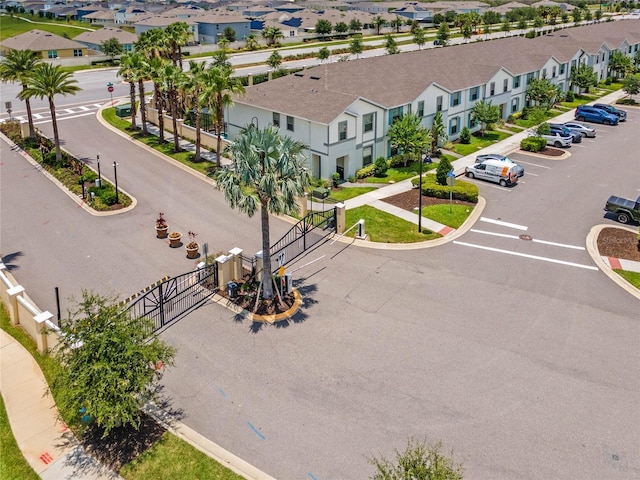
577 15
620 64
522 24
111 363
409 136
47 81
465 135
268 172
355 25
506 27
450 16
636 60
274 60
438 132
538 22
17 67
419 37
418 461
444 167
631 85
390 45
543 92
324 27
272 35
588 16
128 73
438 18
112 47
490 17
378 22
220 58
229 34
341 28
443 33
598 15
356 46
413 26
486 113
583 76
380 167
323 53
565 17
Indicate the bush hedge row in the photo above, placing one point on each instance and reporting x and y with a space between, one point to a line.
533 144
464 191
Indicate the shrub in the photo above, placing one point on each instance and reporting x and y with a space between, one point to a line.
569 96
533 144
608 81
444 167
465 136
514 116
107 196
380 167
463 191
365 172
401 160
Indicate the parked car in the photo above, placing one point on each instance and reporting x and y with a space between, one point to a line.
610 109
576 136
500 158
625 210
590 114
558 139
585 130
493 171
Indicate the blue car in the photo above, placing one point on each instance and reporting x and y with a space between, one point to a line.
591 114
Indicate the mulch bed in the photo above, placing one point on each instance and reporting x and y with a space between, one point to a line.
409 200
247 297
619 243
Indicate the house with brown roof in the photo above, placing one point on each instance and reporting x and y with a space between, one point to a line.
47 45
94 40
343 110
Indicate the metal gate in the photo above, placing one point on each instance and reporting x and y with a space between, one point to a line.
303 235
173 298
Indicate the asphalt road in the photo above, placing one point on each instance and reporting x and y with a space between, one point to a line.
527 368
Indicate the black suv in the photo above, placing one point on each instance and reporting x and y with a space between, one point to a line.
621 114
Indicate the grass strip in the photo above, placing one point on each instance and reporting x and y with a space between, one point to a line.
632 277
451 215
386 228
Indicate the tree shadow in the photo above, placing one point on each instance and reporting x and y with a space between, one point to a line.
9 260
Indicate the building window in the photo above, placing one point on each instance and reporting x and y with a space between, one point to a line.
474 93
421 108
492 89
367 155
289 123
342 130
562 68
472 121
439 103
505 85
276 119
52 54
453 125
455 99
530 76
77 52
516 82
368 122
514 105
394 114
544 73
553 72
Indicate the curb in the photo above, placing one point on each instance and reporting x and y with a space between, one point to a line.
592 248
564 156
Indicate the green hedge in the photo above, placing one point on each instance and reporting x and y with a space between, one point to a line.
464 191
533 144
365 172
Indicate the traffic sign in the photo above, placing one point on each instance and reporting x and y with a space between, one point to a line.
110 89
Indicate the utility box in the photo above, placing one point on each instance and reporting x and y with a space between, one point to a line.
123 110
320 193
232 289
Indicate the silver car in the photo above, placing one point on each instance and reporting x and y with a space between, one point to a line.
558 139
585 130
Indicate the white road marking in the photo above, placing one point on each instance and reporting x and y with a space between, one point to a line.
533 257
37 116
534 240
84 109
534 164
504 224
65 118
97 105
530 174
69 110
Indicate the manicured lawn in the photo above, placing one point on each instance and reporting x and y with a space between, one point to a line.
583 99
12 464
479 142
530 123
384 227
453 217
397 174
632 277
12 26
513 128
349 192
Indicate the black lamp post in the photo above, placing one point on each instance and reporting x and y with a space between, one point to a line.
99 175
426 159
115 175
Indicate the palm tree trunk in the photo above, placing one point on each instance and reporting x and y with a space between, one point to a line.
132 99
143 108
219 132
196 158
32 130
159 102
267 284
54 122
174 121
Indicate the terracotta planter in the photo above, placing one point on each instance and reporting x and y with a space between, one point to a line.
192 252
161 232
176 240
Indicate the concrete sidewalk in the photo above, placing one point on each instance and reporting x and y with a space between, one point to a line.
48 445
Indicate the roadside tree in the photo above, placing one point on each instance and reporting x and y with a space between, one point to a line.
356 47
17 67
378 22
128 74
324 27
111 48
323 54
272 35
193 88
355 25
390 45
442 171
419 37
274 60
631 85
251 42
178 35
443 34
341 28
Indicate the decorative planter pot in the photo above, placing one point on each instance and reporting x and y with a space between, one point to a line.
192 252
175 239
161 232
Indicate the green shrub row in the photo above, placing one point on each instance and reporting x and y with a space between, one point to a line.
464 191
365 172
533 144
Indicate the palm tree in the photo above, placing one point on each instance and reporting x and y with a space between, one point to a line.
220 88
140 68
252 41
272 34
155 70
48 81
173 77
127 72
193 88
268 172
178 34
378 22
16 67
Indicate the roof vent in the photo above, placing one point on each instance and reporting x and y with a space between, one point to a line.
298 74
314 77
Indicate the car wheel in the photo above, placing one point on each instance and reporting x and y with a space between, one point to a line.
557 144
503 183
606 122
580 118
623 217
470 175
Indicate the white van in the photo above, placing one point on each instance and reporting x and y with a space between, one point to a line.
494 171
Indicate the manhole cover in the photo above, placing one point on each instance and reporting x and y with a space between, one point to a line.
526 237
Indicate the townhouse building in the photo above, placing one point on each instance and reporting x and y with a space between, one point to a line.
343 111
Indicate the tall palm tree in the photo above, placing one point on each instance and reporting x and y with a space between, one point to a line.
155 70
378 22
268 172
127 72
48 81
173 77
140 68
178 34
252 41
272 34
16 67
193 88
221 87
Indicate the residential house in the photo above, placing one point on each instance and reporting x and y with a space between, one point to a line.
47 45
94 40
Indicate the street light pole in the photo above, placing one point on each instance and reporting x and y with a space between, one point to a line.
99 175
115 175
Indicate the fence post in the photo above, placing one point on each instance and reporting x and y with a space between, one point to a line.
341 218
13 294
161 296
41 330
236 263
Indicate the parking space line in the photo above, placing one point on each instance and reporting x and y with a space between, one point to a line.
525 255
531 174
534 164
504 224
534 240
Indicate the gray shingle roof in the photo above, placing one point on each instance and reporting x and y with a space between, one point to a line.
38 41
